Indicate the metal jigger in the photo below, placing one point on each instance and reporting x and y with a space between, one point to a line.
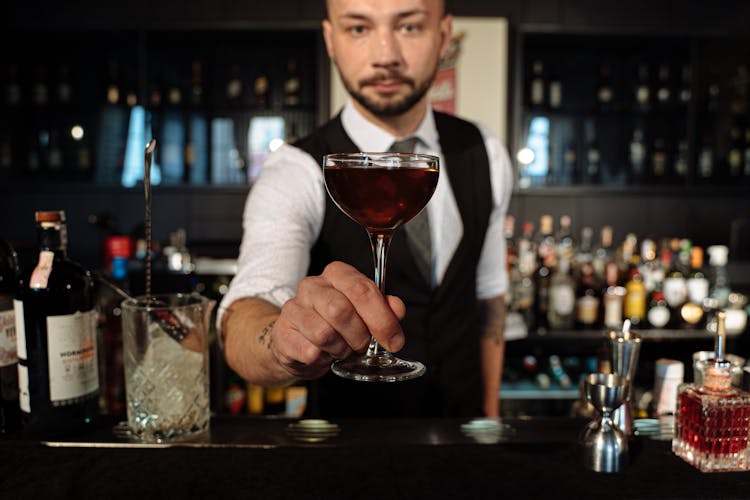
605 446
625 347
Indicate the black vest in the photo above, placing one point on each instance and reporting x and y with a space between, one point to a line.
440 324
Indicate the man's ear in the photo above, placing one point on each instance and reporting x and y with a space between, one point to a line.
327 34
446 30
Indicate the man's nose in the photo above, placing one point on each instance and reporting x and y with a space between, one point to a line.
387 49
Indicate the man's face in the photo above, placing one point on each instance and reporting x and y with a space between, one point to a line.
386 51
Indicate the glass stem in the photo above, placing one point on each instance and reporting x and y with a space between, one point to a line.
380 243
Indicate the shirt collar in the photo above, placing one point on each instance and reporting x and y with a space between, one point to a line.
368 137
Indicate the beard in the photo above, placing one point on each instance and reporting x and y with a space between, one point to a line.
390 106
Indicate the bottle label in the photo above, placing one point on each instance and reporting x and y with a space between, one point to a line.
8 354
563 299
587 309
613 312
697 289
71 344
24 400
40 276
20 330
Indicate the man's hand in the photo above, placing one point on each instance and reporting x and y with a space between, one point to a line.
331 316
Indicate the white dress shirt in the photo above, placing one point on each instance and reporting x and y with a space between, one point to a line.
285 209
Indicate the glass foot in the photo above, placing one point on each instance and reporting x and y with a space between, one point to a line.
381 367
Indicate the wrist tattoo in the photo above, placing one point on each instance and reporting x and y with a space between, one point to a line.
265 335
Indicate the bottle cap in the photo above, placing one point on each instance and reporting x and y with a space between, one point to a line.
50 216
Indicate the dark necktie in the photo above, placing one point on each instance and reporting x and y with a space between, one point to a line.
417 229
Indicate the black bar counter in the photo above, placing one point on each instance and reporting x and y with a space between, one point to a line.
368 459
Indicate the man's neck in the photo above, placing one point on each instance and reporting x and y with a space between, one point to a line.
400 125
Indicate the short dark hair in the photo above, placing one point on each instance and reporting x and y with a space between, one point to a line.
446 7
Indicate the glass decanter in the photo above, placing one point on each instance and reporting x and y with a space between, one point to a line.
713 418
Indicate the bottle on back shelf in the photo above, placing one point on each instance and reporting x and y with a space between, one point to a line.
587 298
56 334
675 285
603 252
10 416
613 298
562 297
692 313
634 307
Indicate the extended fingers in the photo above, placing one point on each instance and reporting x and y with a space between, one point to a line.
369 304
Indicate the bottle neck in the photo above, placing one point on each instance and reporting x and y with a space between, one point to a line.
53 239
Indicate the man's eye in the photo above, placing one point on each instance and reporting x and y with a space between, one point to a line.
358 29
410 27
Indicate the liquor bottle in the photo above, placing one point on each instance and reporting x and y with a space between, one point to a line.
262 91
555 94
642 92
718 256
113 84
686 85
734 156
558 372
562 297
54 153
592 168
650 267
697 288
613 298
603 252
81 151
681 161
292 84
746 156
172 157
658 310
196 87
56 333
712 418
10 416
13 88
659 161
705 167
637 156
235 89
587 298
532 371
565 243
544 240
675 284
663 90
585 253
542 279
537 85
634 307
39 87
64 89
605 93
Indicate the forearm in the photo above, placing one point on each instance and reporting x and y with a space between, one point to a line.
247 325
492 352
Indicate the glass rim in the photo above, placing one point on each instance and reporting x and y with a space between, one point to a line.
138 303
381 159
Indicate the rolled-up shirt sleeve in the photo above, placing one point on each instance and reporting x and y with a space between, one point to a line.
282 218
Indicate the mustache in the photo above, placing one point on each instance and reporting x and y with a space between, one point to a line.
394 75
